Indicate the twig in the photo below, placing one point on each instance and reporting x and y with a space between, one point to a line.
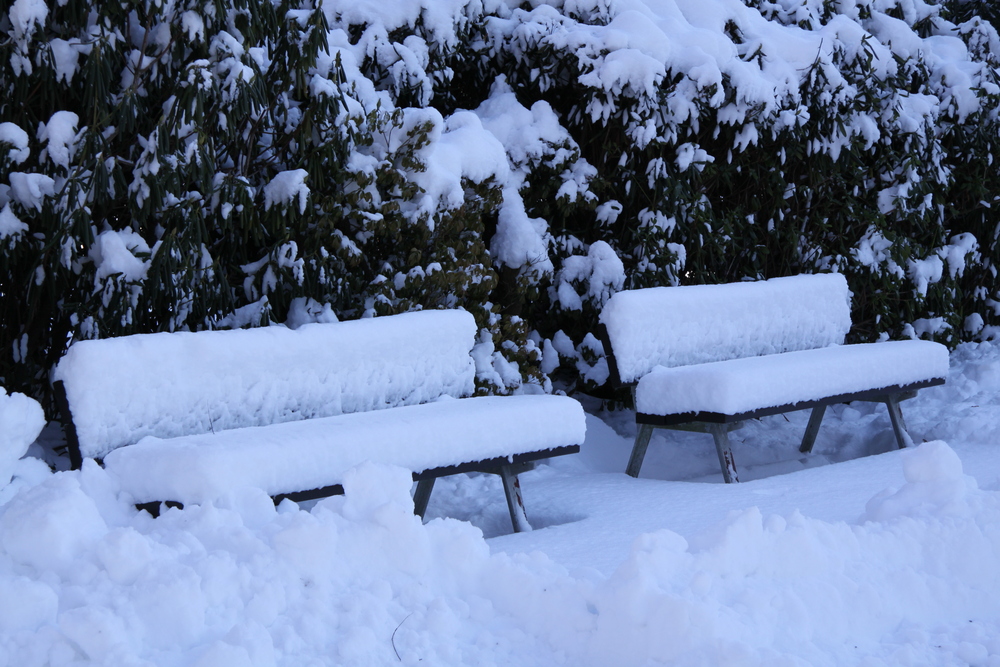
393 638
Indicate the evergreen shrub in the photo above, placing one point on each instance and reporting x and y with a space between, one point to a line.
191 165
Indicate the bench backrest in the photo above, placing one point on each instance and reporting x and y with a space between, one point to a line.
678 326
120 390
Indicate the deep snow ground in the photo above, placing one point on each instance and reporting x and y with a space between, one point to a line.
856 555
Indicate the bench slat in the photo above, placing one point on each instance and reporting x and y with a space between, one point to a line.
874 395
742 386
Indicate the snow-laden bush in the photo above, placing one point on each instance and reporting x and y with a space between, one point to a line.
744 140
194 165
190 165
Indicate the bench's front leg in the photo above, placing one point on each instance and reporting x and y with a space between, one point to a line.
642 437
903 439
422 496
515 503
812 429
720 432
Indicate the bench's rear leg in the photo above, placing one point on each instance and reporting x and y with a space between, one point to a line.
720 432
422 496
903 439
639 449
515 503
812 429
69 428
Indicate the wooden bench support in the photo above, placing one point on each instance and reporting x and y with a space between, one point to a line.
515 503
720 432
719 425
891 400
511 487
812 429
903 439
508 469
639 449
422 496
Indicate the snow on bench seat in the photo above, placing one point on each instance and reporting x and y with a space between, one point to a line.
750 384
200 468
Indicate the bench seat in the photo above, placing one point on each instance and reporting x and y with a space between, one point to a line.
315 453
736 387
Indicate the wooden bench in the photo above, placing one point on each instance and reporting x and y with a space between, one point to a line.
191 417
709 357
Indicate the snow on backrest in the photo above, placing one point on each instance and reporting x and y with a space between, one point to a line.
677 326
172 384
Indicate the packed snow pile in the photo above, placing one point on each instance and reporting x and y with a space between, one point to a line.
359 580
21 420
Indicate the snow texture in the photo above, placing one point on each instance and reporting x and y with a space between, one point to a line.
600 270
26 16
21 420
60 137
10 224
735 386
286 188
30 190
171 384
885 559
18 140
114 253
677 326
314 453
461 150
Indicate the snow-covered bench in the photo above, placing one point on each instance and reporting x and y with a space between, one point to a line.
191 417
708 357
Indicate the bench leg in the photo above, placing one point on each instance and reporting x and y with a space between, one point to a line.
720 432
639 449
515 503
422 496
812 429
903 439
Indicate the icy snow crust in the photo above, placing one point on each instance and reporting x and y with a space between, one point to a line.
172 384
318 452
744 385
695 324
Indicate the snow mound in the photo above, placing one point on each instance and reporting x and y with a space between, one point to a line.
21 420
935 486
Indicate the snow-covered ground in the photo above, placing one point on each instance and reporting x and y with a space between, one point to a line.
855 555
